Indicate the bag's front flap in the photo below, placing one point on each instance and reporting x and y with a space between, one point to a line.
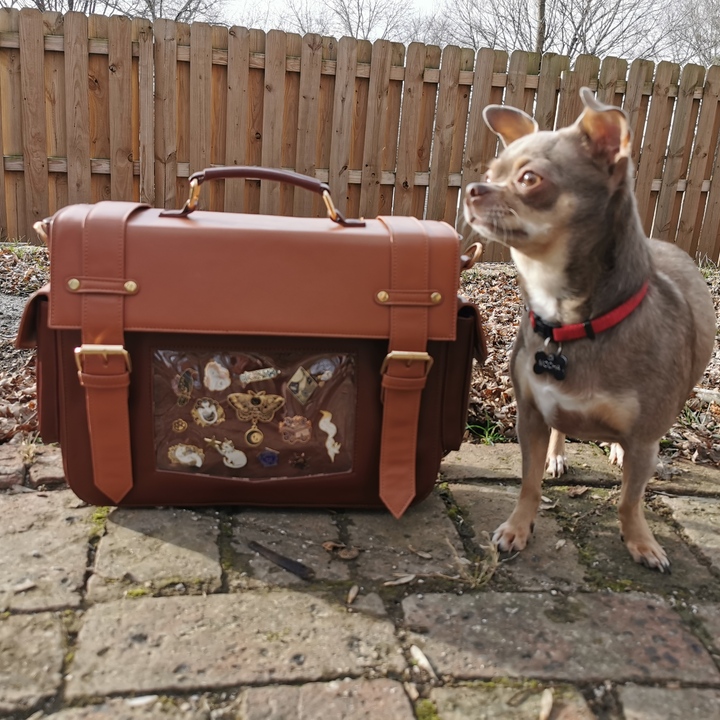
250 274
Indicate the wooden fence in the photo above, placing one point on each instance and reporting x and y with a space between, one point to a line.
112 108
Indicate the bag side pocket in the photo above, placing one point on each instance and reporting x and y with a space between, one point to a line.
469 345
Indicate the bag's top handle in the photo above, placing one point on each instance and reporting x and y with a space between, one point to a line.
261 173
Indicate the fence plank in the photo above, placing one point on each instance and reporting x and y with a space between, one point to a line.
357 138
33 117
683 121
376 123
551 69
184 136
146 100
120 109
433 55
77 118
635 103
467 60
4 234
516 79
391 126
481 141
166 100
200 139
237 113
444 131
342 121
218 117
487 140
585 74
12 205
708 243
408 161
12 125
325 118
274 98
99 108
55 126
655 140
307 136
612 73
256 93
291 101
693 203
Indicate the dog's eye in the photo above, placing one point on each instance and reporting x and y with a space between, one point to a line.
529 179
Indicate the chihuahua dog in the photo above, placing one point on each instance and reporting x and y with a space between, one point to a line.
619 328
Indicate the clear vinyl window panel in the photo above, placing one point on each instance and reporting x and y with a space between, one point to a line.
254 416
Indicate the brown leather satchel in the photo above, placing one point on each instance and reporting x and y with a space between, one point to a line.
188 358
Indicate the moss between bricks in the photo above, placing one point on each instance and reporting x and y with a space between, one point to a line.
426 710
98 520
137 592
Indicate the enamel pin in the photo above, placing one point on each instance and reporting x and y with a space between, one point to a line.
299 461
302 385
179 426
182 385
295 430
189 455
251 376
217 377
330 429
232 457
268 457
323 370
255 407
207 412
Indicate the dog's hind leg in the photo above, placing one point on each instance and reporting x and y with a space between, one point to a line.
533 435
556 462
638 466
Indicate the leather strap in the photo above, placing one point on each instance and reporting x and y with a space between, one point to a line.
103 364
405 369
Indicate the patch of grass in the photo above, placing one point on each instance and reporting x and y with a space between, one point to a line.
707 267
487 431
28 449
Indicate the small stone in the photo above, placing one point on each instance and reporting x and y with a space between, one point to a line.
141 701
47 467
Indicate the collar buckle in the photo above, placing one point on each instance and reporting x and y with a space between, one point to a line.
543 328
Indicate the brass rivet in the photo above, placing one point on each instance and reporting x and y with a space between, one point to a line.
131 286
73 284
383 296
436 297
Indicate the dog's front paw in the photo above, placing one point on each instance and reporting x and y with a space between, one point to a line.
512 536
649 552
617 455
556 465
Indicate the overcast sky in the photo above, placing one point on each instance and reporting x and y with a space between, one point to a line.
238 11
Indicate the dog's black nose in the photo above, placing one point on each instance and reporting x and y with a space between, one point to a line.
477 189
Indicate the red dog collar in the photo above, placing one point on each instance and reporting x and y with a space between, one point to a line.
590 328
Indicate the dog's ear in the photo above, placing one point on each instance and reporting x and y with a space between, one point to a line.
606 126
508 123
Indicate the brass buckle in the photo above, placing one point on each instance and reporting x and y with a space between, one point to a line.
194 197
331 210
408 357
103 350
